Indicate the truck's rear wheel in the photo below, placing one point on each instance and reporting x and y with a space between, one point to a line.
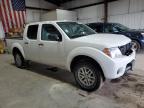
87 75
19 60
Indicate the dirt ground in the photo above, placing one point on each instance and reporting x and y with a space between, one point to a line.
38 87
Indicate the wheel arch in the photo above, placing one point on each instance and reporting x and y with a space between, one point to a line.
17 47
82 57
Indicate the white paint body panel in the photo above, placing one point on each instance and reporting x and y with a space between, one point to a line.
61 54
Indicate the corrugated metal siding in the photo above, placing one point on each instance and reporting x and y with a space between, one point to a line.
134 20
127 12
136 5
90 14
118 7
35 15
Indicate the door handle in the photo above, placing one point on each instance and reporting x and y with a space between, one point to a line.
26 43
41 44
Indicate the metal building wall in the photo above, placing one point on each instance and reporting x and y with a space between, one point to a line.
90 14
33 15
127 12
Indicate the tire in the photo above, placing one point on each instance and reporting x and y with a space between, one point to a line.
19 60
136 45
87 75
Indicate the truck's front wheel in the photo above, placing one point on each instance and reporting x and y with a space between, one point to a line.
19 60
87 75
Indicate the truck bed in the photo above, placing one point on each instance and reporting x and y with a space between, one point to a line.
13 40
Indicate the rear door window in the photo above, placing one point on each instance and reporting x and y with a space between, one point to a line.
32 32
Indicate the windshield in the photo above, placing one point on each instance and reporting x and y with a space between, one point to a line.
75 30
121 27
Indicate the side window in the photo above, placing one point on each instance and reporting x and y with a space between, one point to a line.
32 32
97 27
50 32
108 29
111 29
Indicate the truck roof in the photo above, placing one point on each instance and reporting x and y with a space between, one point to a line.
50 22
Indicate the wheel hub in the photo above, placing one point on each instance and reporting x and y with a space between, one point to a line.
86 76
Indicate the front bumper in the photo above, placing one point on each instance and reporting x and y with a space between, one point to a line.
118 66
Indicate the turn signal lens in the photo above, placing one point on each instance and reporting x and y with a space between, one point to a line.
107 52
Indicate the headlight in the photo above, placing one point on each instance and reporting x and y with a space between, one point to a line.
112 52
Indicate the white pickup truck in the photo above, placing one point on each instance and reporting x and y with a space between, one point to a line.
76 48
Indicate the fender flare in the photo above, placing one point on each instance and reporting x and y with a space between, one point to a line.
19 47
93 53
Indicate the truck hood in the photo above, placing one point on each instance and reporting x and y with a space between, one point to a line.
105 40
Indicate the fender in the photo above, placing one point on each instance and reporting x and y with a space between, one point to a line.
94 53
17 45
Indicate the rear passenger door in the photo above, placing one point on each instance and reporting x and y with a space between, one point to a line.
31 43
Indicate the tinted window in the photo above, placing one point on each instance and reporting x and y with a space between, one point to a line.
32 31
97 27
110 28
48 32
121 27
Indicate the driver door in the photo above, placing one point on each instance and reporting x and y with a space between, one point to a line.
51 50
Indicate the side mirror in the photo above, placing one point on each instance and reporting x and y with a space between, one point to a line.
116 31
55 37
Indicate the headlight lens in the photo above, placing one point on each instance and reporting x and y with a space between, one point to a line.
112 52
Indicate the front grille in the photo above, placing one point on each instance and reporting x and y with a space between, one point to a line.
126 49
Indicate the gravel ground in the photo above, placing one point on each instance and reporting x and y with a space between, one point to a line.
38 87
